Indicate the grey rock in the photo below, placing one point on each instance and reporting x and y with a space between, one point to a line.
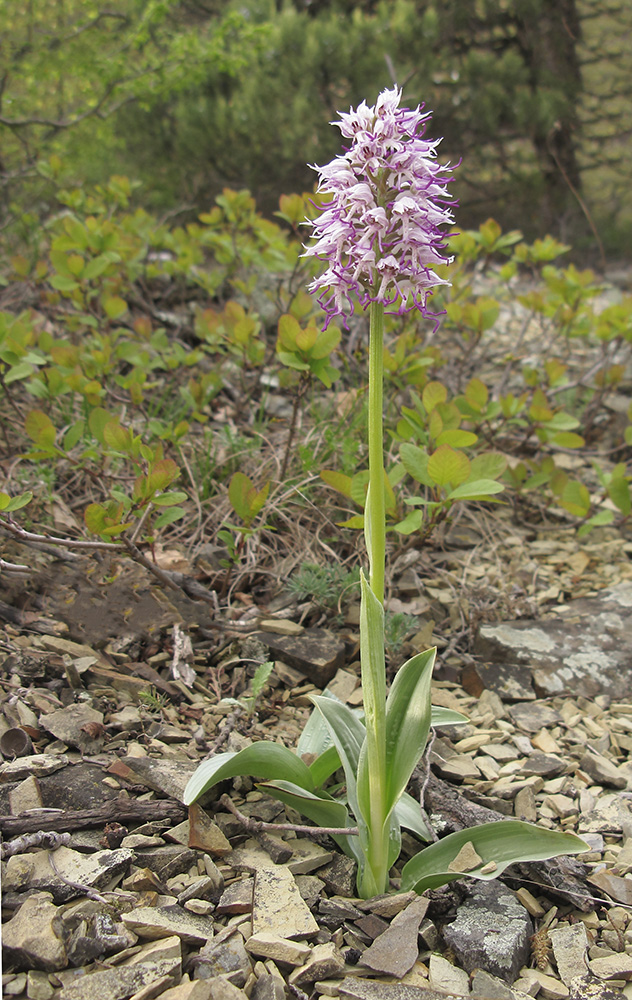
12 987
268 987
26 795
38 986
316 653
237 897
570 943
225 956
32 938
80 787
115 984
166 921
611 814
222 989
278 906
165 862
325 962
396 950
166 775
38 765
587 988
585 649
267 945
352 988
91 929
508 681
602 771
68 725
34 871
339 876
310 888
334 912
203 888
448 978
491 932
545 765
486 987
532 717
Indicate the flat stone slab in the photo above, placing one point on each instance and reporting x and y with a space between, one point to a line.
74 871
585 650
353 988
395 951
278 906
169 921
315 652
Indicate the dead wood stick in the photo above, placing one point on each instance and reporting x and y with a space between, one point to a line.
259 825
128 811
563 877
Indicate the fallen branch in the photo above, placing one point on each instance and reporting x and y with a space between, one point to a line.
121 811
259 826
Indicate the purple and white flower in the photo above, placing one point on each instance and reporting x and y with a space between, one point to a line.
380 231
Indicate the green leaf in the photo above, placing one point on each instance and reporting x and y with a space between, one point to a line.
169 516
63 284
575 499
408 814
566 439
114 306
412 522
348 734
446 717
478 490
433 394
415 461
407 722
619 493
447 466
168 499
9 504
338 481
270 761
73 434
40 428
326 764
489 465
116 437
457 438
505 843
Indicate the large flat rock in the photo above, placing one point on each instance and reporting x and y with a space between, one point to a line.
585 650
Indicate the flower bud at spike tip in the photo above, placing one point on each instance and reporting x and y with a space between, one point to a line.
380 231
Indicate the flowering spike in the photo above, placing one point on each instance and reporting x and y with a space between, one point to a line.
379 232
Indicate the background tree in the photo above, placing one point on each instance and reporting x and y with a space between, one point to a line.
190 96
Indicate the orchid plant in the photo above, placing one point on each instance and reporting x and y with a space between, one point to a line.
380 234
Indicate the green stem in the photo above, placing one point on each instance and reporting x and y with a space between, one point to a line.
375 517
375 875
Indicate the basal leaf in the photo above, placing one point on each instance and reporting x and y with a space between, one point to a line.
269 761
503 843
446 717
407 722
348 734
408 814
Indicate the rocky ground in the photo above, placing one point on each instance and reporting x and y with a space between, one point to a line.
111 697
